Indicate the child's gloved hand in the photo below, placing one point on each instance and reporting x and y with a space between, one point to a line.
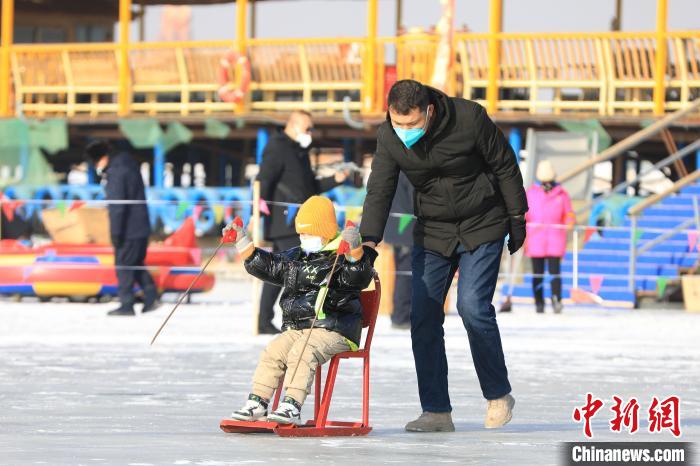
235 233
351 235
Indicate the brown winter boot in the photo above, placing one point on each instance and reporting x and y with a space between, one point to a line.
499 412
431 422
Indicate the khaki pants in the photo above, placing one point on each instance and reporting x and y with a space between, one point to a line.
283 354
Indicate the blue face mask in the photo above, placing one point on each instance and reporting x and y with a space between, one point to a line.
412 135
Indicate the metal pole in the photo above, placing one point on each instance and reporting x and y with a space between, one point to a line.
661 56
368 98
241 30
399 15
124 23
633 254
495 25
257 288
8 13
575 257
187 292
158 165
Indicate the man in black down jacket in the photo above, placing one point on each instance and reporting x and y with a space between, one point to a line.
128 223
469 196
286 177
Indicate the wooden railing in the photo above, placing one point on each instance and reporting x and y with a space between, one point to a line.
594 73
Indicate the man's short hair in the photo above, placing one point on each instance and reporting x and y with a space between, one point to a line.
301 112
406 95
97 149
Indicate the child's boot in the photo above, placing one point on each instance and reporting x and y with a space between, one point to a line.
255 409
288 412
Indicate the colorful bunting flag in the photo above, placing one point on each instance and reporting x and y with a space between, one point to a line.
404 221
661 283
9 211
197 211
181 209
61 206
218 214
637 234
588 233
291 213
9 206
264 209
692 240
76 205
596 282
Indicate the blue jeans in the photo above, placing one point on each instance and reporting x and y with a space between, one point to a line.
432 277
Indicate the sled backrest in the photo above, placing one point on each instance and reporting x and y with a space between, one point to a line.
370 308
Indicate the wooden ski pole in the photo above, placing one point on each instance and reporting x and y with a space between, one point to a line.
183 295
313 322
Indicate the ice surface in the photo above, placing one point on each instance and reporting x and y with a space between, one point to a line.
77 387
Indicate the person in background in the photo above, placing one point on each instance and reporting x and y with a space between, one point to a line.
129 224
286 177
550 210
402 243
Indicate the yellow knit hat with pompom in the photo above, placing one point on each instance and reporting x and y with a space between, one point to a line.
316 217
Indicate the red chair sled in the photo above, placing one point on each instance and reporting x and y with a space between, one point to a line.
320 426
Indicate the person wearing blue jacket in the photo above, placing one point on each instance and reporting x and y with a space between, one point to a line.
128 222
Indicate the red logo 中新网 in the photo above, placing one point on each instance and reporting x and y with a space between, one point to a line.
662 415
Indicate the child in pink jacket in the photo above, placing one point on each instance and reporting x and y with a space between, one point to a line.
549 212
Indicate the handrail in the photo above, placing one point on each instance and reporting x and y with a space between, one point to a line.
678 185
680 154
631 141
661 238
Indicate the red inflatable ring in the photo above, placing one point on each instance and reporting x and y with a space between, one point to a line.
228 63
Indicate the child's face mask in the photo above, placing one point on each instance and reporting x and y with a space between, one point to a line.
310 243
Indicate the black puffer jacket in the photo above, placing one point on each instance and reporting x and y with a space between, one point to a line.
465 174
286 176
124 183
302 275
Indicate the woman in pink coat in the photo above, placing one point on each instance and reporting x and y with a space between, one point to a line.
549 211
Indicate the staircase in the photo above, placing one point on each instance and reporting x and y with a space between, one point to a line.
608 256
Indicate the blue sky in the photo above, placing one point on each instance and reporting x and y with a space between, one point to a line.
328 18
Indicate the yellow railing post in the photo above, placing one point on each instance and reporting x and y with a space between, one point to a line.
368 99
661 56
241 39
8 13
124 70
241 21
495 25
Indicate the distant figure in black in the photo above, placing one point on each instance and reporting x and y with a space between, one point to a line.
128 222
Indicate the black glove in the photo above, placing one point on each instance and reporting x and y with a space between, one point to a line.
117 241
516 233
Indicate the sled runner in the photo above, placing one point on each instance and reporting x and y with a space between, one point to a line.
320 426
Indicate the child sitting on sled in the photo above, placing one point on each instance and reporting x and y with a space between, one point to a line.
303 272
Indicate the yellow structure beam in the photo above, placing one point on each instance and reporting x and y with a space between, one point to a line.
8 14
661 56
124 71
241 23
369 94
494 59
